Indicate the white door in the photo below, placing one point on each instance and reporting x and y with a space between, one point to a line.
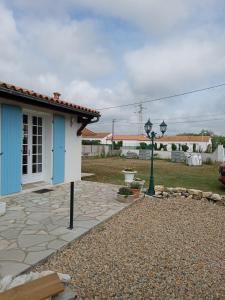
33 148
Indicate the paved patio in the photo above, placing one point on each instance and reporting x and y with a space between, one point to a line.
35 225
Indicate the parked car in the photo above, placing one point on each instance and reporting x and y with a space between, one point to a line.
222 173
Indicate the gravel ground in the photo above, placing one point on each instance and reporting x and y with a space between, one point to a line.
154 249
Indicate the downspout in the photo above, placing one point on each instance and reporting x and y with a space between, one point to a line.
84 122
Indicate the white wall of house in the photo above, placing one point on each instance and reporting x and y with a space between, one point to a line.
48 148
132 143
73 151
200 146
103 141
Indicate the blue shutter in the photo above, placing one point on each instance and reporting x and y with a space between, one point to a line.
11 142
58 149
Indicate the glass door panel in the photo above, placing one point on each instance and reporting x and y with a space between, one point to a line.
32 152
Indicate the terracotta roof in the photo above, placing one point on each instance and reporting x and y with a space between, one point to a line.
174 138
141 138
184 138
50 100
86 133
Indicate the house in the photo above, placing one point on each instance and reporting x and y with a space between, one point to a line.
40 138
102 137
130 140
201 142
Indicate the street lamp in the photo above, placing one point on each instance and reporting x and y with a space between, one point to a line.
151 135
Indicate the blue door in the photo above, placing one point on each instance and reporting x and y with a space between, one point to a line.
58 149
11 141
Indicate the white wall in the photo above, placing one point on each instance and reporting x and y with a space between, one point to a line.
73 151
102 140
160 154
216 156
133 143
48 162
199 145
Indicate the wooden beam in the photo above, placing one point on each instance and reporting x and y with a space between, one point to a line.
37 289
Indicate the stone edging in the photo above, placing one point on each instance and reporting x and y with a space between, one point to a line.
183 193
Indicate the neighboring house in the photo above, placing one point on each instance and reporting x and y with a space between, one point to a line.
102 137
40 138
202 142
130 140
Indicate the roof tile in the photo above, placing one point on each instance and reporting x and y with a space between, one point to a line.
45 97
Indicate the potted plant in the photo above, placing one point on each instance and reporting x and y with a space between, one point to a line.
125 195
140 181
129 175
135 188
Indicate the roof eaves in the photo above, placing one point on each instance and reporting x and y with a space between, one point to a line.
30 94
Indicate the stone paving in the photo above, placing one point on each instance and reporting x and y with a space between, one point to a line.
35 225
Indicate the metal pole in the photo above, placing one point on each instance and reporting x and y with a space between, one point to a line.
71 204
151 190
113 123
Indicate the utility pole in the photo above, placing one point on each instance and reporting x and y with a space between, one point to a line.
113 125
140 118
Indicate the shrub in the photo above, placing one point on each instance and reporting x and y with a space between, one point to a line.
125 191
135 185
174 147
129 170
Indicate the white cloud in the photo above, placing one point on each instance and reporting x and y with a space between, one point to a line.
46 47
176 65
33 50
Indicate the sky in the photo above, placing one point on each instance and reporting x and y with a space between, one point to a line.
104 53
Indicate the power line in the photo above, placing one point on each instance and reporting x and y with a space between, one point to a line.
165 97
166 119
177 122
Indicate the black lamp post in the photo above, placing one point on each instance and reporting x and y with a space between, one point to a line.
151 135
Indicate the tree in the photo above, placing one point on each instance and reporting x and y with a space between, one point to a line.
165 148
206 132
194 148
90 142
174 147
143 145
217 140
117 145
185 148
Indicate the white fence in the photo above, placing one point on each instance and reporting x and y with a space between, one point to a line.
159 154
95 150
217 156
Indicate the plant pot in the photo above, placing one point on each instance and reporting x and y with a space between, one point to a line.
125 198
136 193
2 208
141 182
129 176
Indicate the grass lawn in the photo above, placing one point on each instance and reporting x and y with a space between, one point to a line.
167 173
